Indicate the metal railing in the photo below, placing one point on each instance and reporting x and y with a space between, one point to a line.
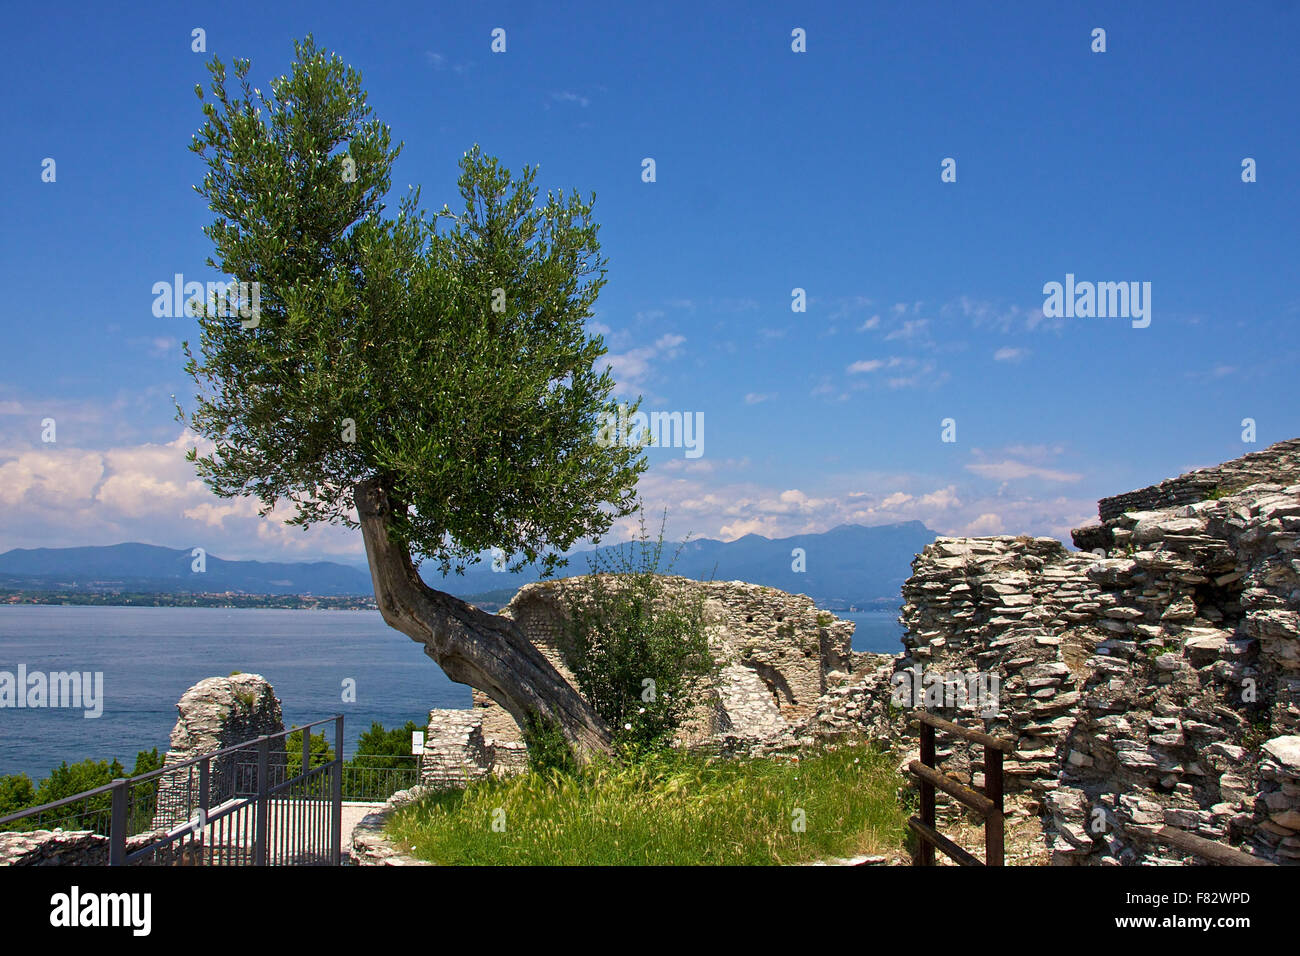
236 806
375 778
987 804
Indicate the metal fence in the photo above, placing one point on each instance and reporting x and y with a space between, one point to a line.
375 778
237 806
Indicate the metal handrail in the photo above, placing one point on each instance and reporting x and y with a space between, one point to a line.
120 791
160 772
54 805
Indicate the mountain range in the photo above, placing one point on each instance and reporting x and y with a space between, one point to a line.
850 565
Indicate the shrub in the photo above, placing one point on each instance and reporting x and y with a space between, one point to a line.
548 751
319 752
637 647
385 748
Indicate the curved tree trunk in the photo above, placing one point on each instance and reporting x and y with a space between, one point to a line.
472 647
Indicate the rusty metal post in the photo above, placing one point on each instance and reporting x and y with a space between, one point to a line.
994 824
925 852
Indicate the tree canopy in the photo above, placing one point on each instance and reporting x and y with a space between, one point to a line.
443 357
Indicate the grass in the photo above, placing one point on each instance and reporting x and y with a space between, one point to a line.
674 809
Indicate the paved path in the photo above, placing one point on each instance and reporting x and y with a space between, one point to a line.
353 811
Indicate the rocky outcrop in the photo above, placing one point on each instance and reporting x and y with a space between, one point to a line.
214 714
777 655
60 847
1156 682
1276 464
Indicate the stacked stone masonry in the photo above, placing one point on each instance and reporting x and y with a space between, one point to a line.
214 714
1155 684
777 654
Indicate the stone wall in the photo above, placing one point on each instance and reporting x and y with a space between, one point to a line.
85 848
1278 463
214 714
1159 684
777 653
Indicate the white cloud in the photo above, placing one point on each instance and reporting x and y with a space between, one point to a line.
910 329
566 96
632 367
986 524
1010 470
1008 354
56 496
866 365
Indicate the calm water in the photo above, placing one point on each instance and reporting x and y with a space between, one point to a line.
878 631
150 656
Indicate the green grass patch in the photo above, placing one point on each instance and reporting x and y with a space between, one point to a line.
670 809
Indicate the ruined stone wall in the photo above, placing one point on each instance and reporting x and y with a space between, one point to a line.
1279 463
777 655
216 713
85 848
1159 684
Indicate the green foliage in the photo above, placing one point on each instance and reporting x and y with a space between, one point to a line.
383 748
1225 491
1257 733
68 780
548 750
673 808
480 424
319 752
637 648
17 792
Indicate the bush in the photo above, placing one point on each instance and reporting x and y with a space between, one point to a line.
319 752
17 792
377 743
637 648
548 750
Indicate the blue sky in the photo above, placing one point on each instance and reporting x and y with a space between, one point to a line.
775 170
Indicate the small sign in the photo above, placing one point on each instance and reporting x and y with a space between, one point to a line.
417 742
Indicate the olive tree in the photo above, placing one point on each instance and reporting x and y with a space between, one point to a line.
426 378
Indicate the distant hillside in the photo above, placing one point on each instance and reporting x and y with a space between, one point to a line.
848 565
149 568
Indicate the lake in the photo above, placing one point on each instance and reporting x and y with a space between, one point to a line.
150 656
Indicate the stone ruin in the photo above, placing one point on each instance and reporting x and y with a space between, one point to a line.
216 713
777 655
1153 681
1151 678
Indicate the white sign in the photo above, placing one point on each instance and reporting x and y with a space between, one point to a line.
417 741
